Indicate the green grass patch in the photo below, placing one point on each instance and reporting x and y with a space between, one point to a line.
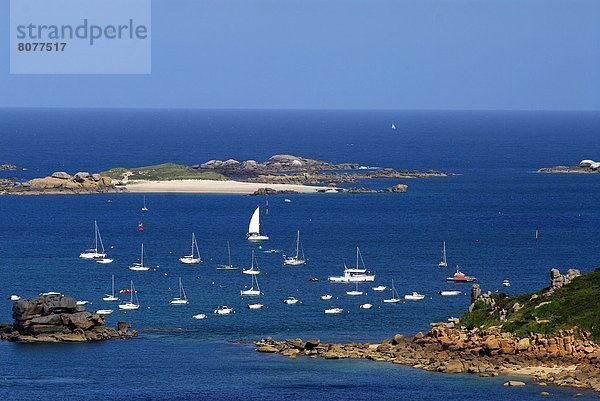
164 172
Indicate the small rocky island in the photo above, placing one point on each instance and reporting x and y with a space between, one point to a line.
56 318
61 182
552 335
584 167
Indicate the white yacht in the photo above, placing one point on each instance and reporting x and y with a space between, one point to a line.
443 261
352 278
252 291
81 302
298 259
326 297
104 311
182 298
290 301
130 305
140 267
358 269
194 257
254 228
253 269
98 251
111 297
366 306
379 288
14 297
395 297
199 316
223 310
255 306
105 261
450 293
415 296
334 310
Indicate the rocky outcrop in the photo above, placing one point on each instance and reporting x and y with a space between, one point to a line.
558 280
396 189
61 182
8 167
271 191
56 318
564 360
586 166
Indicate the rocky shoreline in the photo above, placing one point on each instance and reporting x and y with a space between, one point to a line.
584 167
61 182
563 360
58 319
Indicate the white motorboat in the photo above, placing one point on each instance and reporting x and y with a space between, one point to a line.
379 288
395 297
223 310
199 316
255 306
326 297
194 257
415 296
290 301
352 278
182 298
506 283
298 259
130 305
366 306
254 228
252 291
14 297
111 297
104 311
97 252
334 310
253 269
229 265
286 200
81 302
51 294
354 292
450 293
140 267
104 261
443 262
144 208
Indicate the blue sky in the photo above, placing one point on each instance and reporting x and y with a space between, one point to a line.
345 54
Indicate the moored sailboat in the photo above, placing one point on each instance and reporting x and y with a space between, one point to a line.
395 296
296 260
96 252
111 297
130 305
140 267
229 265
443 262
254 228
252 291
253 269
192 258
182 298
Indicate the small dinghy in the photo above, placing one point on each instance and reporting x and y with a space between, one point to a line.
82 302
14 297
104 261
415 296
450 293
334 310
366 306
104 311
199 316
326 297
223 310
313 280
255 306
379 288
290 301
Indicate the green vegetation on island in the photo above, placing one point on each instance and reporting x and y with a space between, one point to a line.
163 172
572 305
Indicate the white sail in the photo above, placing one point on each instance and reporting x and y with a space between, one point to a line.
254 226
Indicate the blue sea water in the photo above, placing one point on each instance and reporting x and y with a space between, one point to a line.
487 215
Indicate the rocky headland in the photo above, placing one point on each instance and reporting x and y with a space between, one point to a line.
9 167
526 335
584 167
55 319
61 182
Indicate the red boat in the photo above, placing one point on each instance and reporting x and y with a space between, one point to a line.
460 277
126 291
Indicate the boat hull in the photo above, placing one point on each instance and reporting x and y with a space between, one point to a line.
251 272
294 262
255 306
139 268
450 293
92 255
129 306
250 292
351 279
104 261
186 260
257 237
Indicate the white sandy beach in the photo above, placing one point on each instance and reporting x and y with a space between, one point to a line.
213 187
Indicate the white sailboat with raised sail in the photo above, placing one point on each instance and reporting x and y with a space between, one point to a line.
194 257
98 251
395 296
182 298
296 260
144 208
140 267
229 265
254 228
111 297
254 269
443 261
254 289
130 305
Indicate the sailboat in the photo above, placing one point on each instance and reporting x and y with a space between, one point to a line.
111 297
95 253
254 228
252 270
443 261
395 296
144 208
393 126
140 267
192 259
357 269
295 260
252 291
182 299
228 266
356 274
354 292
130 305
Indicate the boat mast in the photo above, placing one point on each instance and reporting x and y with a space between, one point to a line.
142 258
96 235
113 285
193 241
229 254
298 245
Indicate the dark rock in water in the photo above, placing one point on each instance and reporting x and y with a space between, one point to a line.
312 343
399 188
271 191
62 175
56 318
